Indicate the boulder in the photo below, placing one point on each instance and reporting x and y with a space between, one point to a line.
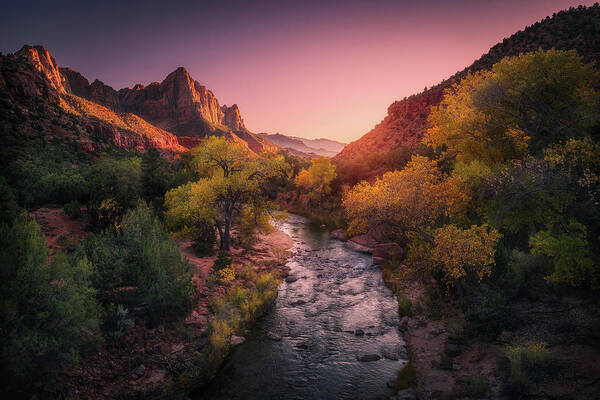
236 340
338 234
362 244
386 252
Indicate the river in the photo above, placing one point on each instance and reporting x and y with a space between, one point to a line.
332 310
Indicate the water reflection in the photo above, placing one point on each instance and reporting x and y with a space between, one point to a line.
337 312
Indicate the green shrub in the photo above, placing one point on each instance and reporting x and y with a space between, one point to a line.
527 364
117 322
49 313
8 202
455 329
143 255
72 209
407 377
223 260
404 305
204 237
487 314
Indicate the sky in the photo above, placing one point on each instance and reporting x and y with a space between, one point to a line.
303 68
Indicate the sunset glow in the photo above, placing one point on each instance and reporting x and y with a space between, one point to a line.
292 67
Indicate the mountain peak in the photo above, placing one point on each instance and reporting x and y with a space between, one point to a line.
44 63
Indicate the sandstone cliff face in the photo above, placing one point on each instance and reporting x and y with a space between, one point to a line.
232 118
33 87
404 125
179 105
406 121
44 63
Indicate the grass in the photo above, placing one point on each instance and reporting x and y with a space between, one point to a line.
407 377
455 329
404 305
238 309
526 364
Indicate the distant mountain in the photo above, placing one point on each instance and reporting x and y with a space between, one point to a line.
305 147
406 120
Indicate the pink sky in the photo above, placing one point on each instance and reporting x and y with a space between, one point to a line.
309 70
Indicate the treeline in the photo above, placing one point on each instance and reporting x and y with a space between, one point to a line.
505 202
128 270
504 205
57 308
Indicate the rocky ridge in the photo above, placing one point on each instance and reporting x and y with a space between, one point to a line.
406 120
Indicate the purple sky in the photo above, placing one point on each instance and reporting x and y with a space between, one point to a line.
303 68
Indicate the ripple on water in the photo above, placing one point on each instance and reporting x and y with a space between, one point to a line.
336 311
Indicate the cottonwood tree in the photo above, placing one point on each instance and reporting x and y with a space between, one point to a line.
519 107
418 200
237 178
317 178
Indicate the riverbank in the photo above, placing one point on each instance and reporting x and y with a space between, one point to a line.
170 359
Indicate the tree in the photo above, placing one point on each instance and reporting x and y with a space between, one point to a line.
317 178
142 255
237 179
521 106
49 312
418 201
155 174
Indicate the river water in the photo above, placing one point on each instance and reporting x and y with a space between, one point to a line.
333 310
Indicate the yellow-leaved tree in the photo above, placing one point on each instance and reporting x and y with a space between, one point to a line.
237 180
419 200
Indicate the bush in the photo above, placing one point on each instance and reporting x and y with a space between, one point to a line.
223 260
526 364
8 203
49 313
143 255
72 209
404 305
204 237
487 314
407 377
117 322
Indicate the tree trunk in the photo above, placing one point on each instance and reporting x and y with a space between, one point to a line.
226 234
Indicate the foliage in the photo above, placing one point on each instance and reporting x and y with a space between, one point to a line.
225 275
141 254
236 180
49 313
117 322
476 387
526 363
317 178
236 310
573 263
457 251
114 188
523 104
8 202
223 260
72 209
404 305
407 377
155 174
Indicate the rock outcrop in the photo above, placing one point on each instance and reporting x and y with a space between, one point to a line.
178 104
32 85
406 120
